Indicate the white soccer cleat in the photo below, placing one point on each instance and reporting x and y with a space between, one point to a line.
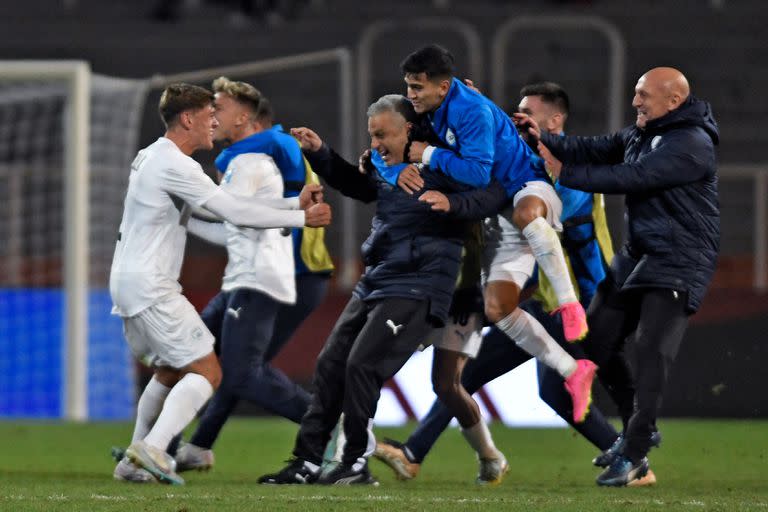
127 471
156 461
492 471
190 456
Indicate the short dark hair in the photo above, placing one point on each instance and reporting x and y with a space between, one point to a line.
247 95
433 60
551 93
177 98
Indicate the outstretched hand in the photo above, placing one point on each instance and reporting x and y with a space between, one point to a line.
437 200
527 127
308 139
410 180
363 161
471 84
552 165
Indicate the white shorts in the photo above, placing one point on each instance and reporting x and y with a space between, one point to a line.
169 333
507 255
465 339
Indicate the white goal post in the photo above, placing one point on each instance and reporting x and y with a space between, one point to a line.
77 76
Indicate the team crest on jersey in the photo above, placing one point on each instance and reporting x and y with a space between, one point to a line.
655 142
450 138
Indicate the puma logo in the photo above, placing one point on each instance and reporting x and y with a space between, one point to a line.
395 328
234 312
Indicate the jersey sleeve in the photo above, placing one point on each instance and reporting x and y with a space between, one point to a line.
473 162
188 182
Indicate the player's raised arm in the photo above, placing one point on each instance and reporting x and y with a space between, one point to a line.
247 213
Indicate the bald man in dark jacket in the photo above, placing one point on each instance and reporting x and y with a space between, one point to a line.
666 166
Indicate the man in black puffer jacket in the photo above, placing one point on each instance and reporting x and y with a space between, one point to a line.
412 260
666 166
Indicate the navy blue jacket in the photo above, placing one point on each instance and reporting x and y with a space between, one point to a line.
412 251
668 173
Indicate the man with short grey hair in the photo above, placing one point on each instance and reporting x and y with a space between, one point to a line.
412 259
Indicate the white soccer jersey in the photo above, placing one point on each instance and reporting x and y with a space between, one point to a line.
150 245
260 259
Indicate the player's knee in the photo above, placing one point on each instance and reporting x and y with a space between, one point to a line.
214 376
525 215
497 309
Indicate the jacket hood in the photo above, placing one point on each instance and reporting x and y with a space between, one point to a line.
694 112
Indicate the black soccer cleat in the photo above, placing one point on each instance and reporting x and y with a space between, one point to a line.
296 472
606 458
623 471
347 474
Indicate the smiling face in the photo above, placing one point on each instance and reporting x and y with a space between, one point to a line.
231 116
202 124
389 136
426 95
658 92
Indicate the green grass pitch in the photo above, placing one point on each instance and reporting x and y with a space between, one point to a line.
702 465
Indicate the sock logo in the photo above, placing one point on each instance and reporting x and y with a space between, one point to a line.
234 312
395 328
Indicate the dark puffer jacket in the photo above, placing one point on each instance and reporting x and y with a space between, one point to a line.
412 251
668 173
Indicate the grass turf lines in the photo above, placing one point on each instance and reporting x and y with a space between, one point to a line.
702 465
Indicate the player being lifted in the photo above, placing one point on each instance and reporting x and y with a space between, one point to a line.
161 326
482 142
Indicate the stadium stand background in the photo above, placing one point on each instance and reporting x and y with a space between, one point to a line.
719 45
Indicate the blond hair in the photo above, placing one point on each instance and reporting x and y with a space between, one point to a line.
245 94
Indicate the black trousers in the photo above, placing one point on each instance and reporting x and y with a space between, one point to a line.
370 342
634 337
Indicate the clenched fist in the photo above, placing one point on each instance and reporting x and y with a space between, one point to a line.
317 215
312 193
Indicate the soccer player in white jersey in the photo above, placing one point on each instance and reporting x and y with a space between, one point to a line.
161 326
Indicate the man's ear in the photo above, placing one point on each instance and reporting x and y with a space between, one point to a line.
674 101
444 86
554 121
185 119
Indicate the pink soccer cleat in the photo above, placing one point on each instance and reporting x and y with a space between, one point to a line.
574 321
579 386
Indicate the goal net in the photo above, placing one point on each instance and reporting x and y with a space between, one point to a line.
67 138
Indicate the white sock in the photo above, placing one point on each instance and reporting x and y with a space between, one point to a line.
531 336
479 438
549 255
150 405
186 398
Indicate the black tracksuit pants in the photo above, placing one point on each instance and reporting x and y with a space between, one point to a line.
634 337
370 342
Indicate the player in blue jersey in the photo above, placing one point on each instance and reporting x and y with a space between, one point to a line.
481 142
